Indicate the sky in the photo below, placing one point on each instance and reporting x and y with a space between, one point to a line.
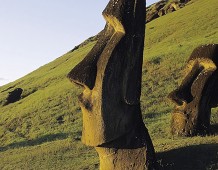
35 32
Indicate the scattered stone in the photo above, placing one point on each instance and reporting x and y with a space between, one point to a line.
60 119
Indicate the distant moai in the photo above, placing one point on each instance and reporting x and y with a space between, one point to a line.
111 76
197 94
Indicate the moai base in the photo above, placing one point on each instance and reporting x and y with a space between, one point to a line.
111 77
197 94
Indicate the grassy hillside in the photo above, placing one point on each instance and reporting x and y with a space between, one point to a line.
43 130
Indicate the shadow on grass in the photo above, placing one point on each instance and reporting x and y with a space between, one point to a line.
38 141
196 157
214 129
152 115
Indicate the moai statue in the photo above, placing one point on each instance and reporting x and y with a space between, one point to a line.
111 77
197 94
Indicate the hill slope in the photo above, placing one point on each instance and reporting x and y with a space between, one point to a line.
43 129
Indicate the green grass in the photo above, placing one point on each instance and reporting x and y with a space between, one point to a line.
31 137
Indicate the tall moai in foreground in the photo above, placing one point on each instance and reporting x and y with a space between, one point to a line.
197 94
111 76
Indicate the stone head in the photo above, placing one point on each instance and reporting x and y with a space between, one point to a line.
110 74
198 92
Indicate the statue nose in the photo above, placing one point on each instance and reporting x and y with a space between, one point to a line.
178 97
84 74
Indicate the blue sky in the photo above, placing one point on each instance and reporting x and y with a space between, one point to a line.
35 32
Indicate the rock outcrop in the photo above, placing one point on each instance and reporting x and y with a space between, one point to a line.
197 94
14 96
111 77
163 7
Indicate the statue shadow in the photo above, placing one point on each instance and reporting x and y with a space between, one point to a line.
152 115
214 129
196 157
34 142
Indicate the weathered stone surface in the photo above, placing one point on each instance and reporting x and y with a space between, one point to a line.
14 96
197 94
111 77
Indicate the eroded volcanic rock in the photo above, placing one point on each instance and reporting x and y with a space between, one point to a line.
163 7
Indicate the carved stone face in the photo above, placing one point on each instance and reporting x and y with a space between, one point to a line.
197 94
111 75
